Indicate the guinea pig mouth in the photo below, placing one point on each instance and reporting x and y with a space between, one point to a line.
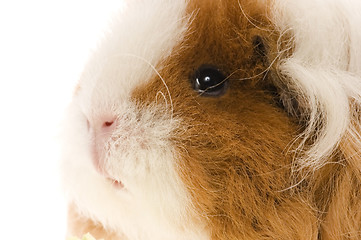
104 173
98 163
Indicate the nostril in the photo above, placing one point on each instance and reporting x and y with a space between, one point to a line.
102 123
108 124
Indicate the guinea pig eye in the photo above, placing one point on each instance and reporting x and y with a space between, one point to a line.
209 81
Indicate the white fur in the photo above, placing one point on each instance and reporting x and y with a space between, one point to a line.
324 71
154 203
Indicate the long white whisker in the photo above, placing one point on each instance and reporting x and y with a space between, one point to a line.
164 97
249 19
158 74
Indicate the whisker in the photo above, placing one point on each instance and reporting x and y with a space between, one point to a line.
249 18
158 74
264 72
164 97
220 83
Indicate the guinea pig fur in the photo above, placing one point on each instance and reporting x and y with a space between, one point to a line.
219 120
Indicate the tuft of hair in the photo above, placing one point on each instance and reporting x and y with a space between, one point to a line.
319 63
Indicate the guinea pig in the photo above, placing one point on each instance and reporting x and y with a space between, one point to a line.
219 120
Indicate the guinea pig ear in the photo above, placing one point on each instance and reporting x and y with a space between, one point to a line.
261 51
259 47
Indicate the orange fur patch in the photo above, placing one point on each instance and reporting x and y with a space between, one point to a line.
234 152
240 143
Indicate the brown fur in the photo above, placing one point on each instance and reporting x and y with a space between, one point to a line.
343 218
241 143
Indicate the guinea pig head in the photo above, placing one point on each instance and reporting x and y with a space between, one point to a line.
176 130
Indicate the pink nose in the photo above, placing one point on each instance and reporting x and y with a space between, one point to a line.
99 124
106 126
103 128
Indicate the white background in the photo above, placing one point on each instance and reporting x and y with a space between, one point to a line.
43 46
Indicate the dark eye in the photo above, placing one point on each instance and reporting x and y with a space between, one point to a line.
209 81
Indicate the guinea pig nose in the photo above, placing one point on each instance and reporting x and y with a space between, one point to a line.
102 124
107 124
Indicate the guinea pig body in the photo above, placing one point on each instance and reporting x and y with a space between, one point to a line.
219 120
